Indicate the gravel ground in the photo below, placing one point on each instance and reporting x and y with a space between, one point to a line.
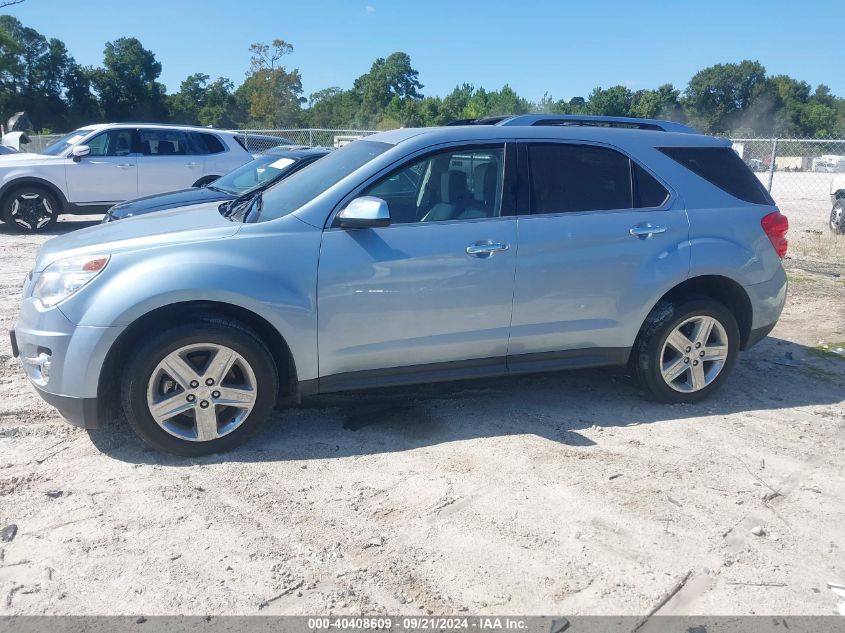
563 492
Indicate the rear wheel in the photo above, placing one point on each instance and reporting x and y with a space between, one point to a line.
199 389
685 351
31 208
837 218
205 181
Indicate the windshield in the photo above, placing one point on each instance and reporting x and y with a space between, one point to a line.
301 187
254 174
57 147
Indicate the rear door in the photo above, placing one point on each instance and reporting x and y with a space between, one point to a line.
168 161
599 237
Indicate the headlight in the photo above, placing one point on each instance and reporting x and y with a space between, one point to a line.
63 278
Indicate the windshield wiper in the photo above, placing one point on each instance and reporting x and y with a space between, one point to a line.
239 209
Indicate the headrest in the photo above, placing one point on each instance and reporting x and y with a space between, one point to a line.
453 186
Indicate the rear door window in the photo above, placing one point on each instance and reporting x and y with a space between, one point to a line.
722 167
648 192
207 143
568 178
164 143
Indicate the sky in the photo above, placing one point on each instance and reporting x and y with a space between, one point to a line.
563 48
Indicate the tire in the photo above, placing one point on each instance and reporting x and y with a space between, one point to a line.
186 426
837 218
31 209
205 181
699 373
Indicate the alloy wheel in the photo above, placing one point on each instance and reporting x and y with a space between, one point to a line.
31 211
694 354
201 392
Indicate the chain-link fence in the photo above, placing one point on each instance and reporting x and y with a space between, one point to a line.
258 141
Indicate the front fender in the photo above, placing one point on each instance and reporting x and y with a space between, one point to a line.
272 275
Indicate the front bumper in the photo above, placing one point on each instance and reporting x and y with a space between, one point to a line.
63 361
82 412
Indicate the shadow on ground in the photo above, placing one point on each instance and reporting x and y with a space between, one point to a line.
555 406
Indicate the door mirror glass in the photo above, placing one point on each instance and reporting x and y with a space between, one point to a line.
79 151
364 212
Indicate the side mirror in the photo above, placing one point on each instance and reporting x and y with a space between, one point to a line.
79 151
364 213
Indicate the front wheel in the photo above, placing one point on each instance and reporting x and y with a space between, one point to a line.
837 218
30 209
199 389
686 350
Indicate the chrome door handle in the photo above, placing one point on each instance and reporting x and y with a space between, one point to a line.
192 164
485 249
645 231
125 165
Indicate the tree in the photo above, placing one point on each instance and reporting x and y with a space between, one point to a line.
718 98
202 103
615 101
126 84
663 103
271 95
389 78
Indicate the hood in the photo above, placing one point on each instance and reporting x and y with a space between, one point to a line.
18 159
177 226
148 204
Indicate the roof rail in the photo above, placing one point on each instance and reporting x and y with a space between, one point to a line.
581 120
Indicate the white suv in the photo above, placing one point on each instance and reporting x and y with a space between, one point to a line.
94 167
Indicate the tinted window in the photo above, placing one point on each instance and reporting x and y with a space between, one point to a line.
111 143
207 143
723 167
164 143
452 185
578 178
647 191
305 185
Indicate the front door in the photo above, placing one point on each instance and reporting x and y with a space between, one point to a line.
429 296
599 237
108 173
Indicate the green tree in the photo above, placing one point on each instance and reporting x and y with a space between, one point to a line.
663 103
126 84
615 101
203 103
388 78
718 98
271 95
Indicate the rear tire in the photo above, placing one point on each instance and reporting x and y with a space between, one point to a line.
837 218
31 209
205 181
685 350
199 388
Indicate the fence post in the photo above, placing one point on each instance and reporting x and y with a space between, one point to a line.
310 137
772 163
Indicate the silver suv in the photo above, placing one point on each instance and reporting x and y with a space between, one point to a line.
92 168
520 244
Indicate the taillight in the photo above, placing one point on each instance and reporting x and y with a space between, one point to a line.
776 225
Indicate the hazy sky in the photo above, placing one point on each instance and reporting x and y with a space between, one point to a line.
565 48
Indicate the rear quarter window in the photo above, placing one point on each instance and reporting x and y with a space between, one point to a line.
722 167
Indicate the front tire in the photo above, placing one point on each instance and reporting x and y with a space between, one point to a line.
837 218
200 388
31 209
685 350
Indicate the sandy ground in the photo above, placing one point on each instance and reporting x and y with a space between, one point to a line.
563 492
